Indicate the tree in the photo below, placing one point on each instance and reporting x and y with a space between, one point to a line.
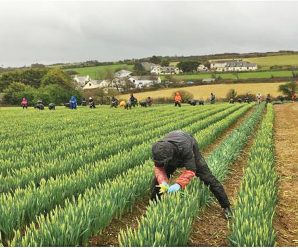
289 88
155 60
165 62
188 66
139 69
57 76
14 93
171 78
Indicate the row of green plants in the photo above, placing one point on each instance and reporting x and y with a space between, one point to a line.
79 219
58 144
72 161
46 150
169 221
252 222
33 200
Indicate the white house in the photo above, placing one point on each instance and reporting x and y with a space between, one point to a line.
81 80
201 67
148 66
232 65
144 81
122 74
164 70
94 84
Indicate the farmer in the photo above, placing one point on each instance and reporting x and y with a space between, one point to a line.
268 99
24 103
293 96
114 102
91 102
73 102
52 106
122 103
212 98
133 101
179 149
149 101
177 99
39 105
259 98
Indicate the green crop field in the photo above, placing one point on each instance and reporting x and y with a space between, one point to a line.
280 60
67 174
99 72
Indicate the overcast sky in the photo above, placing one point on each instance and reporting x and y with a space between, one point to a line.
69 31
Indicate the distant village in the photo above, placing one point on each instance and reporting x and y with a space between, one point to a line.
123 77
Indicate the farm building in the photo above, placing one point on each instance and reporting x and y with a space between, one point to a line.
81 80
94 84
164 70
122 74
201 67
144 81
232 65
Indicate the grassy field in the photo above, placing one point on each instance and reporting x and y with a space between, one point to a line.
99 72
235 76
266 62
220 90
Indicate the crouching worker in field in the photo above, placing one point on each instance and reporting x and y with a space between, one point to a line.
176 150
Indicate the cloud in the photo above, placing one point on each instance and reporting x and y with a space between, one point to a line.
52 31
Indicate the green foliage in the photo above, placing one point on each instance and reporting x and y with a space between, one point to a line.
138 69
31 77
155 60
59 77
14 93
188 66
34 200
165 62
289 88
252 222
168 223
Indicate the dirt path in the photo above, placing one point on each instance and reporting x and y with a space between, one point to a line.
109 237
286 144
210 228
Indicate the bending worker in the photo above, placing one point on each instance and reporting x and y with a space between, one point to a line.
179 149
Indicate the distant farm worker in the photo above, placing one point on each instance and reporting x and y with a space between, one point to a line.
176 150
133 101
128 104
259 98
246 99
212 98
268 99
177 99
91 102
24 103
114 102
149 101
52 106
293 96
73 102
122 103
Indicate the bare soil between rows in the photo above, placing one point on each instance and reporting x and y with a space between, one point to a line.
109 236
286 148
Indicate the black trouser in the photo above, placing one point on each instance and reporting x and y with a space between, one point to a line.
205 175
177 104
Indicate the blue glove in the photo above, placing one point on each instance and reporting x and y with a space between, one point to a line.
174 188
165 184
